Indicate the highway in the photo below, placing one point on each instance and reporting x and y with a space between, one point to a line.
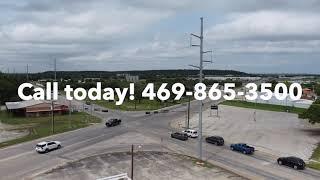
22 162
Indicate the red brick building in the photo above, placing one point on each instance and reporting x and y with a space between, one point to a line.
34 108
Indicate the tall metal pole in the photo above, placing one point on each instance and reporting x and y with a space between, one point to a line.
27 72
52 116
132 161
200 80
52 102
70 106
55 69
188 115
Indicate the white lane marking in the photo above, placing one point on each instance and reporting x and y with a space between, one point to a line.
16 156
265 163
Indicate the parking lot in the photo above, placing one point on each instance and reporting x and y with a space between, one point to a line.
277 133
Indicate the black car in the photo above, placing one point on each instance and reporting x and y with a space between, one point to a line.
180 136
216 140
291 161
113 122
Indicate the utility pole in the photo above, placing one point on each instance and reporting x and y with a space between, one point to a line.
70 106
55 69
52 116
200 81
132 146
188 114
52 102
27 73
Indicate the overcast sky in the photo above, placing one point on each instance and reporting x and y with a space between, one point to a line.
274 36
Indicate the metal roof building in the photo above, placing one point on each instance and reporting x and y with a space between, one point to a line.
34 108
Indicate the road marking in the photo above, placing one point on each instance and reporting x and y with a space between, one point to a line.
16 156
265 163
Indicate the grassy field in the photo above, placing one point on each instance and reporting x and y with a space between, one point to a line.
316 157
268 107
39 127
144 104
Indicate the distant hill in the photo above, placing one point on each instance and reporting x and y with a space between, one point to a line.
142 74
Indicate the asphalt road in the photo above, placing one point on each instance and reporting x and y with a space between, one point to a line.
22 162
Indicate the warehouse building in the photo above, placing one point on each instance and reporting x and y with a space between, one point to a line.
35 108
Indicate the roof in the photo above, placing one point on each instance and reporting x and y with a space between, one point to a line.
24 104
42 143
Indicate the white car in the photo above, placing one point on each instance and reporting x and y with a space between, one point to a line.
191 133
47 146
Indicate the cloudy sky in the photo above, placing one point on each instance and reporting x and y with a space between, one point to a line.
274 36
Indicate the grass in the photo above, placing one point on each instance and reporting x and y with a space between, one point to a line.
38 127
145 104
268 107
316 157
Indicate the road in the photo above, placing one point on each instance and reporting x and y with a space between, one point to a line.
21 161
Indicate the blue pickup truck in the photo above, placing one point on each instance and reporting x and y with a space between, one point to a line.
241 147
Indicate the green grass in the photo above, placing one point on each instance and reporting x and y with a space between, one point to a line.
38 127
268 107
316 157
144 104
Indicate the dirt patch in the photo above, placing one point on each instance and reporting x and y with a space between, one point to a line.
9 132
147 165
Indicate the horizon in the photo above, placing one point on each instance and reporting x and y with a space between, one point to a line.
115 71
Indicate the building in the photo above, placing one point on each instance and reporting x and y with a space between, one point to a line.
35 108
131 78
308 94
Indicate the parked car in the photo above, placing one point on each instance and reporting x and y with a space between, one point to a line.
47 146
292 161
96 109
216 140
113 122
242 147
180 136
191 133
105 110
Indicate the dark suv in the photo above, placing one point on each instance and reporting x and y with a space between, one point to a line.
216 140
113 122
291 161
180 136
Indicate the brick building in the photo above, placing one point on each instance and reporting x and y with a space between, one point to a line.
35 108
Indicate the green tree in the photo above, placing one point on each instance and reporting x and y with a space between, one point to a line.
312 113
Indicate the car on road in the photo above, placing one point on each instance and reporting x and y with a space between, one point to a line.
216 140
242 147
180 136
113 122
191 133
292 161
47 146
105 110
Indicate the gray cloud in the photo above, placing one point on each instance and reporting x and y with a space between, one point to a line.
124 34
